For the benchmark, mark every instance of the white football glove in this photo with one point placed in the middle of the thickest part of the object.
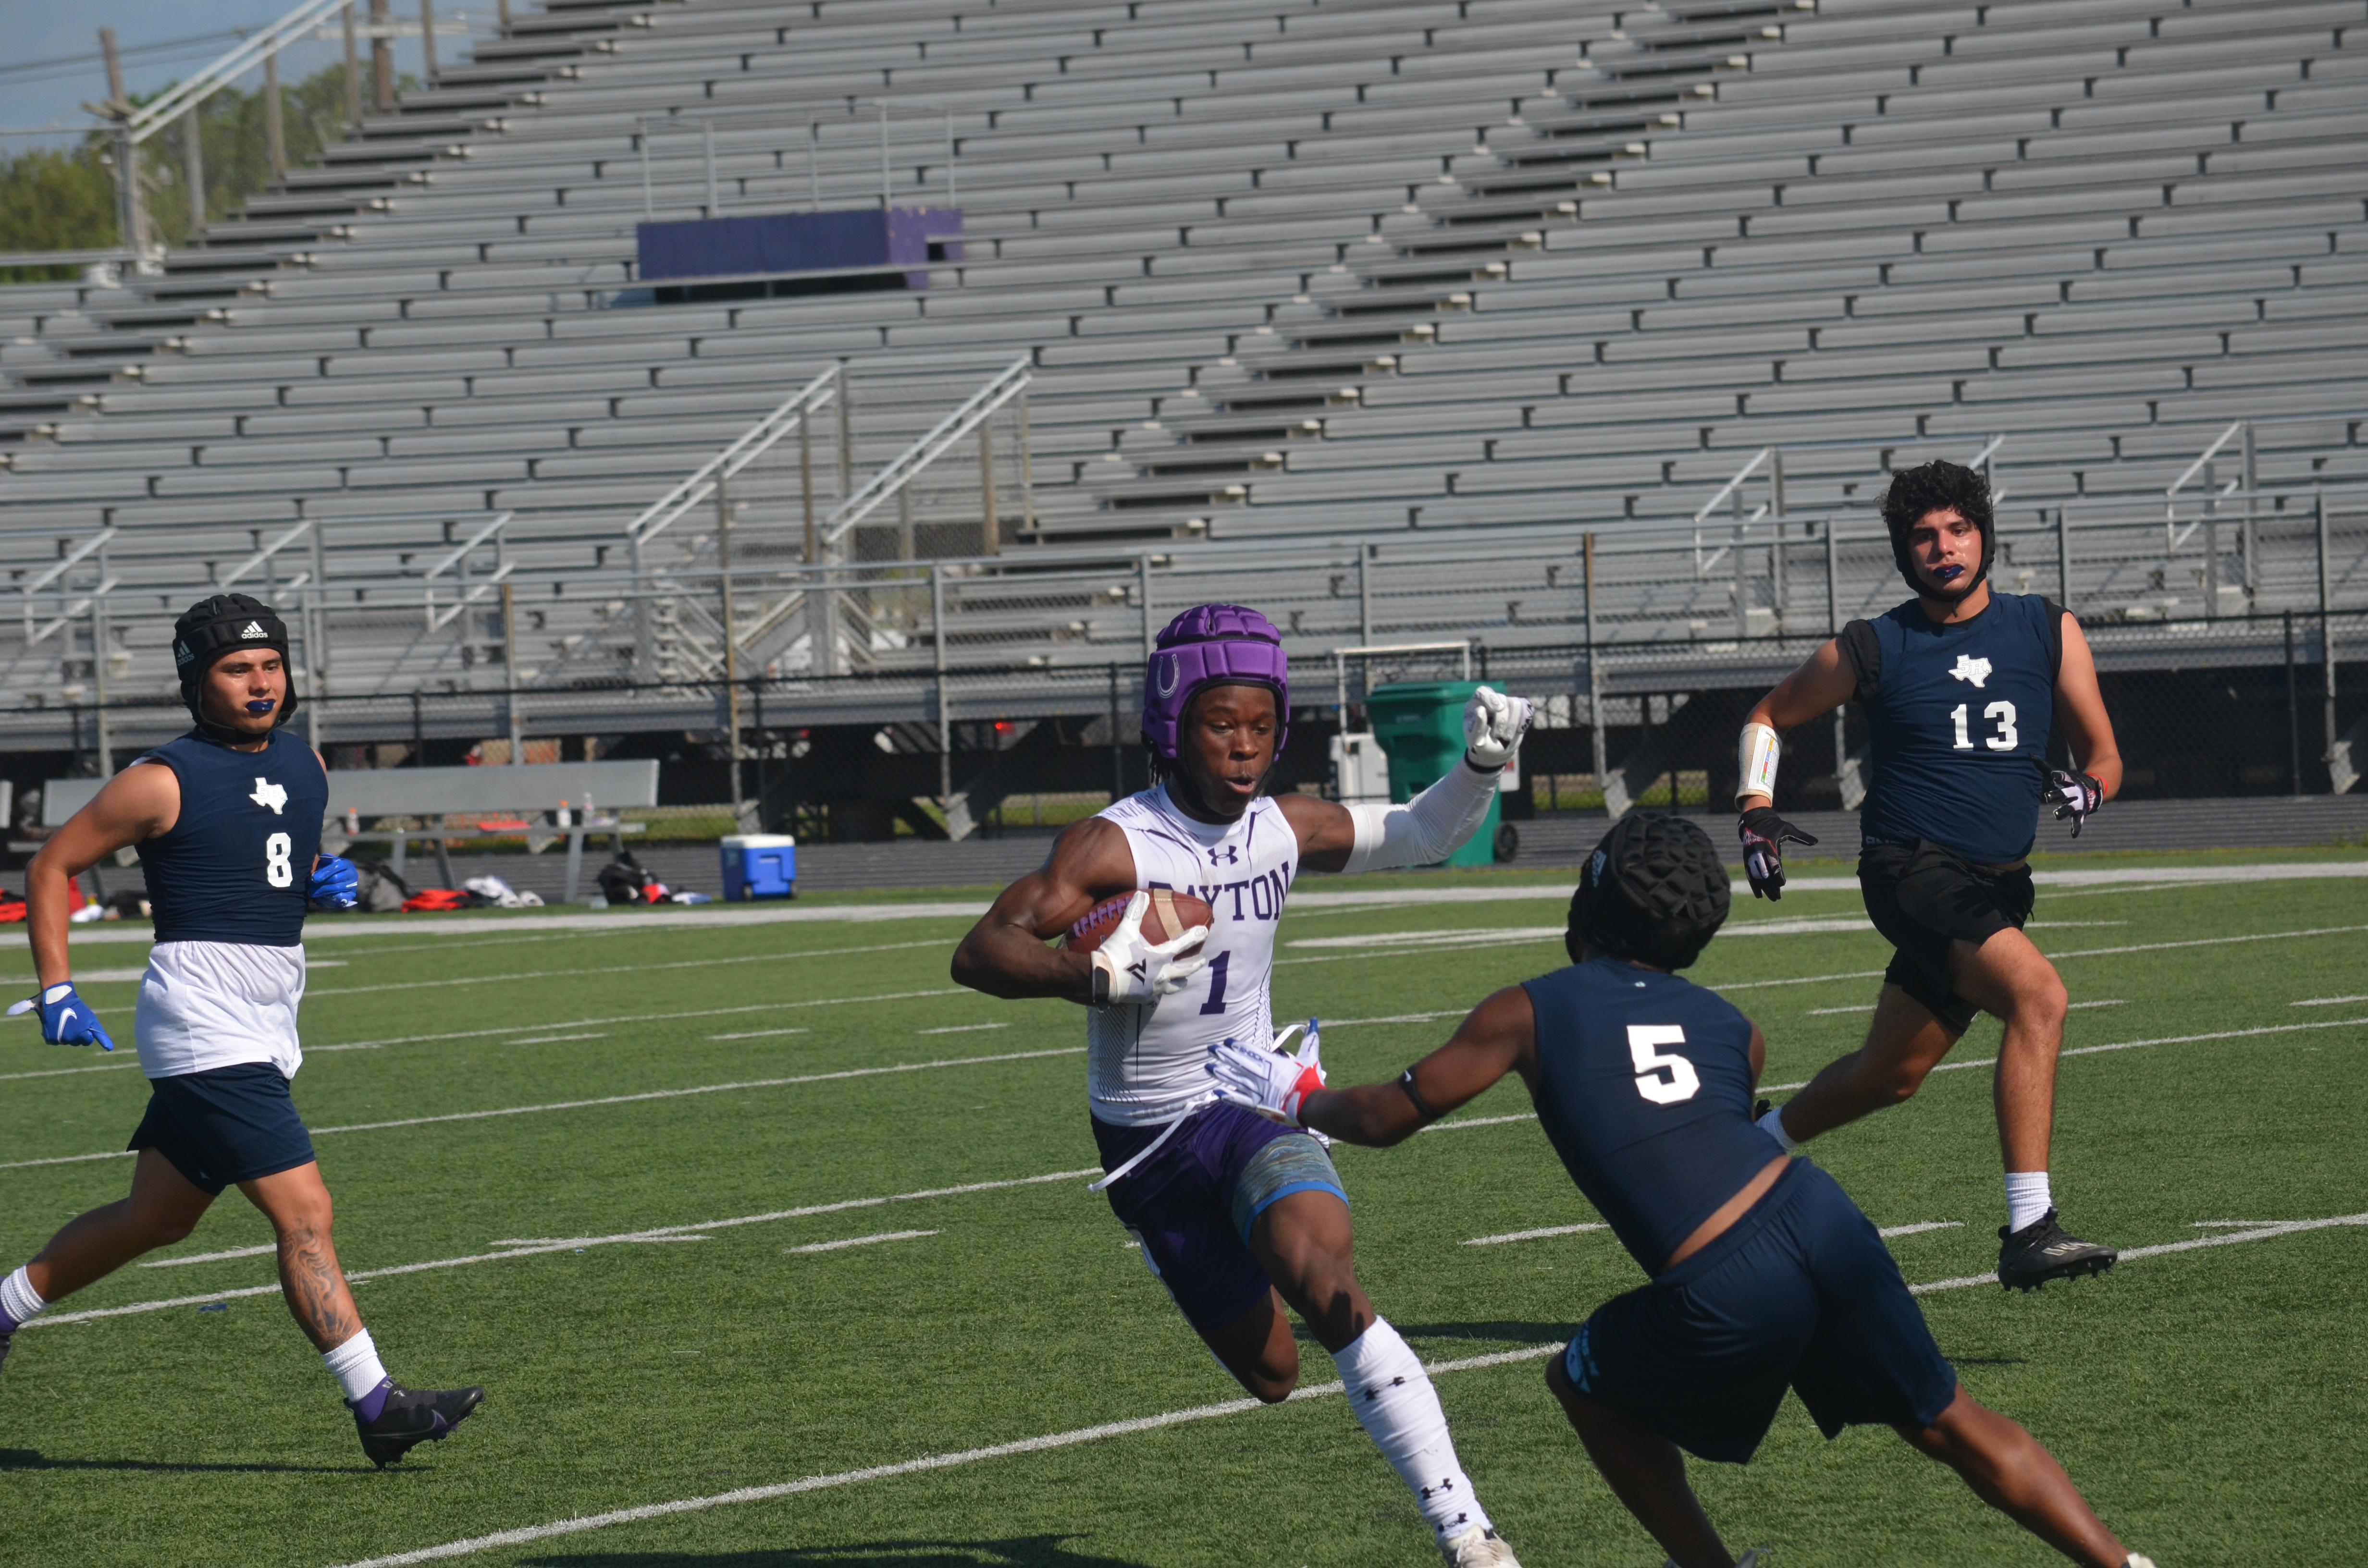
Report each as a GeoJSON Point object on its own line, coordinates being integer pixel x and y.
{"type": "Point", "coordinates": [1494, 724]}
{"type": "Point", "coordinates": [1130, 971]}
{"type": "Point", "coordinates": [1274, 1083]}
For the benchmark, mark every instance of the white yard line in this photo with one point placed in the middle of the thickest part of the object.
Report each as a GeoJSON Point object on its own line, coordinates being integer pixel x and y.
{"type": "Point", "coordinates": [578, 972]}
{"type": "Point", "coordinates": [1917, 1230]}
{"type": "Point", "coordinates": [864, 1241]}
{"type": "Point", "coordinates": [2257, 1234]}
{"type": "Point", "coordinates": [962, 1029]}
{"type": "Point", "coordinates": [527, 1247]}
{"type": "Point", "coordinates": [553, 1039]}
{"type": "Point", "coordinates": [908, 1467]}
{"type": "Point", "coordinates": [1470, 1121]}
{"type": "Point", "coordinates": [612, 1099]}
{"type": "Point", "coordinates": [68, 1071]}
{"type": "Point", "coordinates": [1533, 1235]}
{"type": "Point", "coordinates": [2124, 879]}
{"type": "Point", "coordinates": [582, 1523]}
{"type": "Point", "coordinates": [2329, 1002]}
{"type": "Point", "coordinates": [757, 1034]}
{"type": "Point", "coordinates": [641, 1018]}
{"type": "Point", "coordinates": [211, 1256]}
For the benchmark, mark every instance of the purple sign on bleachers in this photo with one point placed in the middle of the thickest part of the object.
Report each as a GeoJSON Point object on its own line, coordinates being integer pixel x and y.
{"type": "Point", "coordinates": [781, 245]}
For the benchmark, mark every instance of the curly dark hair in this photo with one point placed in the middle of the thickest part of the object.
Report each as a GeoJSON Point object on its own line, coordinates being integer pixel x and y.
{"type": "Point", "coordinates": [1937, 486]}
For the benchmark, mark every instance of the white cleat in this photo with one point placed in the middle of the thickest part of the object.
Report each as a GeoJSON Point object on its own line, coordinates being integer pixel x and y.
{"type": "Point", "coordinates": [2135, 1559]}
{"type": "Point", "coordinates": [1478, 1547]}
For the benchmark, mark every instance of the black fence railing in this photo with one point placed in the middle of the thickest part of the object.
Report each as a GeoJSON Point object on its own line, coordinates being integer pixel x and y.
{"type": "Point", "coordinates": [2256, 704]}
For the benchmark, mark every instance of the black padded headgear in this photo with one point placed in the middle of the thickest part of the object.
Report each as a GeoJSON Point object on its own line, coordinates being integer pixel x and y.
{"type": "Point", "coordinates": [1938, 486]}
{"type": "Point", "coordinates": [219, 626]}
{"type": "Point", "coordinates": [1655, 890]}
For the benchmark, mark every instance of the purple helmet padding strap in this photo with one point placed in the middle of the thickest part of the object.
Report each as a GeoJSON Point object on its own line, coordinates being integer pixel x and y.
{"type": "Point", "coordinates": [1211, 645]}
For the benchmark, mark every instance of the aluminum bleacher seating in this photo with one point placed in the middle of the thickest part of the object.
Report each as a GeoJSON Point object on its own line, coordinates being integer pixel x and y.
{"type": "Point", "coordinates": [1284, 270]}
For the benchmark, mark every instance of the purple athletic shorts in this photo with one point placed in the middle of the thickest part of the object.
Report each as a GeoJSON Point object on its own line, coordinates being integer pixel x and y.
{"type": "Point", "coordinates": [1193, 1203]}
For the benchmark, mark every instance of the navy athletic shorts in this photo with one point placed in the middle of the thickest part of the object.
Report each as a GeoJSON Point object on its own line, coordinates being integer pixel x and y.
{"type": "Point", "coordinates": [1923, 897]}
{"type": "Point", "coordinates": [1799, 1293]}
{"type": "Point", "coordinates": [225, 1126]}
{"type": "Point", "coordinates": [1193, 1203]}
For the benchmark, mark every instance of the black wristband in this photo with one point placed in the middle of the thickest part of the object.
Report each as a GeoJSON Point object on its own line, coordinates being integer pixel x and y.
{"type": "Point", "coordinates": [1100, 986]}
{"type": "Point", "coordinates": [1421, 1106]}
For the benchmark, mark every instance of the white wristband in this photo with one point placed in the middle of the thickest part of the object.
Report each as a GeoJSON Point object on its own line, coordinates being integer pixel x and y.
{"type": "Point", "coordinates": [1756, 760]}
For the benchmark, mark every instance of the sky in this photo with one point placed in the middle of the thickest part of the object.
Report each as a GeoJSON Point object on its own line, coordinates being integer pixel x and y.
{"type": "Point", "coordinates": [36, 33]}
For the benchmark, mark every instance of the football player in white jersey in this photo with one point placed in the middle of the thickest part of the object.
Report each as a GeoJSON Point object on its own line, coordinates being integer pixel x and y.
{"type": "Point", "coordinates": [227, 821]}
{"type": "Point", "coordinates": [1240, 1217]}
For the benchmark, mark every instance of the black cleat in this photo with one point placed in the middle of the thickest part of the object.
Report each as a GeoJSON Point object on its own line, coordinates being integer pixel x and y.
{"type": "Point", "coordinates": [412, 1418]}
{"type": "Point", "coordinates": [2044, 1250]}
{"type": "Point", "coordinates": [1760, 1110]}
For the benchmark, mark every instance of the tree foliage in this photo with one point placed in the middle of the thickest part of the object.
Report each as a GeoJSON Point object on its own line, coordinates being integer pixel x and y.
{"type": "Point", "coordinates": [65, 199]}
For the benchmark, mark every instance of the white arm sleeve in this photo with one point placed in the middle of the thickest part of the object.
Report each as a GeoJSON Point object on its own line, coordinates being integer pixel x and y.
{"type": "Point", "coordinates": [1427, 829]}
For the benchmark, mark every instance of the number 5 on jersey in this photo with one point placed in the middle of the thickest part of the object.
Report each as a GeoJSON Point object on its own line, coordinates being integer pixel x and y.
{"type": "Point", "coordinates": [275, 867]}
{"type": "Point", "coordinates": [1682, 1081]}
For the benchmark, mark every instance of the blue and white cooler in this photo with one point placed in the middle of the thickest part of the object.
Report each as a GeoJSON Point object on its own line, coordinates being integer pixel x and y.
{"type": "Point", "coordinates": [759, 865]}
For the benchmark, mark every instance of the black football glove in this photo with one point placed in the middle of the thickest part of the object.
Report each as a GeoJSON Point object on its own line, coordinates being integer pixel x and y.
{"type": "Point", "coordinates": [1764, 836]}
{"type": "Point", "coordinates": [2073, 795]}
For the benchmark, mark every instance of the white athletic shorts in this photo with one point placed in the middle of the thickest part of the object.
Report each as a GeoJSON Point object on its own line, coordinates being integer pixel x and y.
{"type": "Point", "coordinates": [208, 1004]}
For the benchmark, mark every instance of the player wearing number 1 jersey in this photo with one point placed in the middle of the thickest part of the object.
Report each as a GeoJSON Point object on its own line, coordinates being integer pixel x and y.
{"type": "Point", "coordinates": [227, 821]}
{"type": "Point", "coordinates": [1236, 1215]}
{"type": "Point", "coordinates": [1964, 688]}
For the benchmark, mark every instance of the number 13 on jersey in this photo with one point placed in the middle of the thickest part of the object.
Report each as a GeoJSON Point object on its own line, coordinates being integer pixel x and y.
{"type": "Point", "coordinates": [2003, 713]}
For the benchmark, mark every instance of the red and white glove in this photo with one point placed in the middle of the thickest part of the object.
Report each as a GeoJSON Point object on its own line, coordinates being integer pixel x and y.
{"type": "Point", "coordinates": [2074, 795]}
{"type": "Point", "coordinates": [1273, 1081]}
{"type": "Point", "coordinates": [1132, 972]}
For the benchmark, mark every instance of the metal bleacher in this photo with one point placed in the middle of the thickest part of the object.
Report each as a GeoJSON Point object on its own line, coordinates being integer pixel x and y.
{"type": "Point", "coordinates": [1411, 283]}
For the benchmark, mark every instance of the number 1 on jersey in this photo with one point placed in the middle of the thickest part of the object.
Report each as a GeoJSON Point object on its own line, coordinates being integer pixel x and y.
{"type": "Point", "coordinates": [1682, 1082]}
{"type": "Point", "coordinates": [1217, 1002]}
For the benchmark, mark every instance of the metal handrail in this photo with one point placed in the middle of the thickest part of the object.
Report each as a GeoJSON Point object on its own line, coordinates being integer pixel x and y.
{"type": "Point", "coordinates": [754, 443]}
{"type": "Point", "coordinates": [151, 118]}
{"type": "Point", "coordinates": [906, 465]}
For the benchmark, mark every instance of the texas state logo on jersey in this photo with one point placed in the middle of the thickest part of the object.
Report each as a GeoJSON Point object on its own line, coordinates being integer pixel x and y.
{"type": "Point", "coordinates": [1958, 728]}
{"type": "Point", "coordinates": [1149, 1064]}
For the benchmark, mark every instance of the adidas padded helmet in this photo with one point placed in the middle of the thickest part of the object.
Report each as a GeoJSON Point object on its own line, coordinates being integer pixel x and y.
{"type": "Point", "coordinates": [222, 625]}
{"type": "Point", "coordinates": [1655, 890]}
{"type": "Point", "coordinates": [1211, 645]}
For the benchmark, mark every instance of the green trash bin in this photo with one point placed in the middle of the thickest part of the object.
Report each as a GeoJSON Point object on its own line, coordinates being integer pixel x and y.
{"type": "Point", "coordinates": [1421, 726]}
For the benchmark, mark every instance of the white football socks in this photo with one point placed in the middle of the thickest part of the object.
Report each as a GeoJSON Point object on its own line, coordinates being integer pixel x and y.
{"type": "Point", "coordinates": [2026, 1198]}
{"type": "Point", "coordinates": [356, 1366]}
{"type": "Point", "coordinates": [1773, 1124]}
{"type": "Point", "coordinates": [19, 1303]}
{"type": "Point", "coordinates": [1399, 1410]}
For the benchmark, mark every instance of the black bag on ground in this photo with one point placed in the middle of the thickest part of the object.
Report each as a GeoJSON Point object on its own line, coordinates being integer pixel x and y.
{"type": "Point", "coordinates": [378, 889]}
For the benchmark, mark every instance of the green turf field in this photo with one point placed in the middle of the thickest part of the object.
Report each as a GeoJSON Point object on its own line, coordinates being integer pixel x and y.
{"type": "Point", "coordinates": [639, 1351]}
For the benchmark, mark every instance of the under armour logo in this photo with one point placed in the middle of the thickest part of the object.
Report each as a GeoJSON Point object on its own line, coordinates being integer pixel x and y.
{"type": "Point", "coordinates": [1225, 855]}
{"type": "Point", "coordinates": [269, 794]}
{"type": "Point", "coordinates": [253, 631]}
{"type": "Point", "coordinates": [1971, 669]}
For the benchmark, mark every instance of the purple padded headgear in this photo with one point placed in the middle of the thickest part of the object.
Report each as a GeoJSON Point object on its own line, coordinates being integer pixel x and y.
{"type": "Point", "coordinates": [1212, 645]}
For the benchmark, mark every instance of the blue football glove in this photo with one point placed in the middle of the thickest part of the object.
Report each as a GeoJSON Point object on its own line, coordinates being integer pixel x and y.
{"type": "Point", "coordinates": [336, 883]}
{"type": "Point", "coordinates": [66, 1019]}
